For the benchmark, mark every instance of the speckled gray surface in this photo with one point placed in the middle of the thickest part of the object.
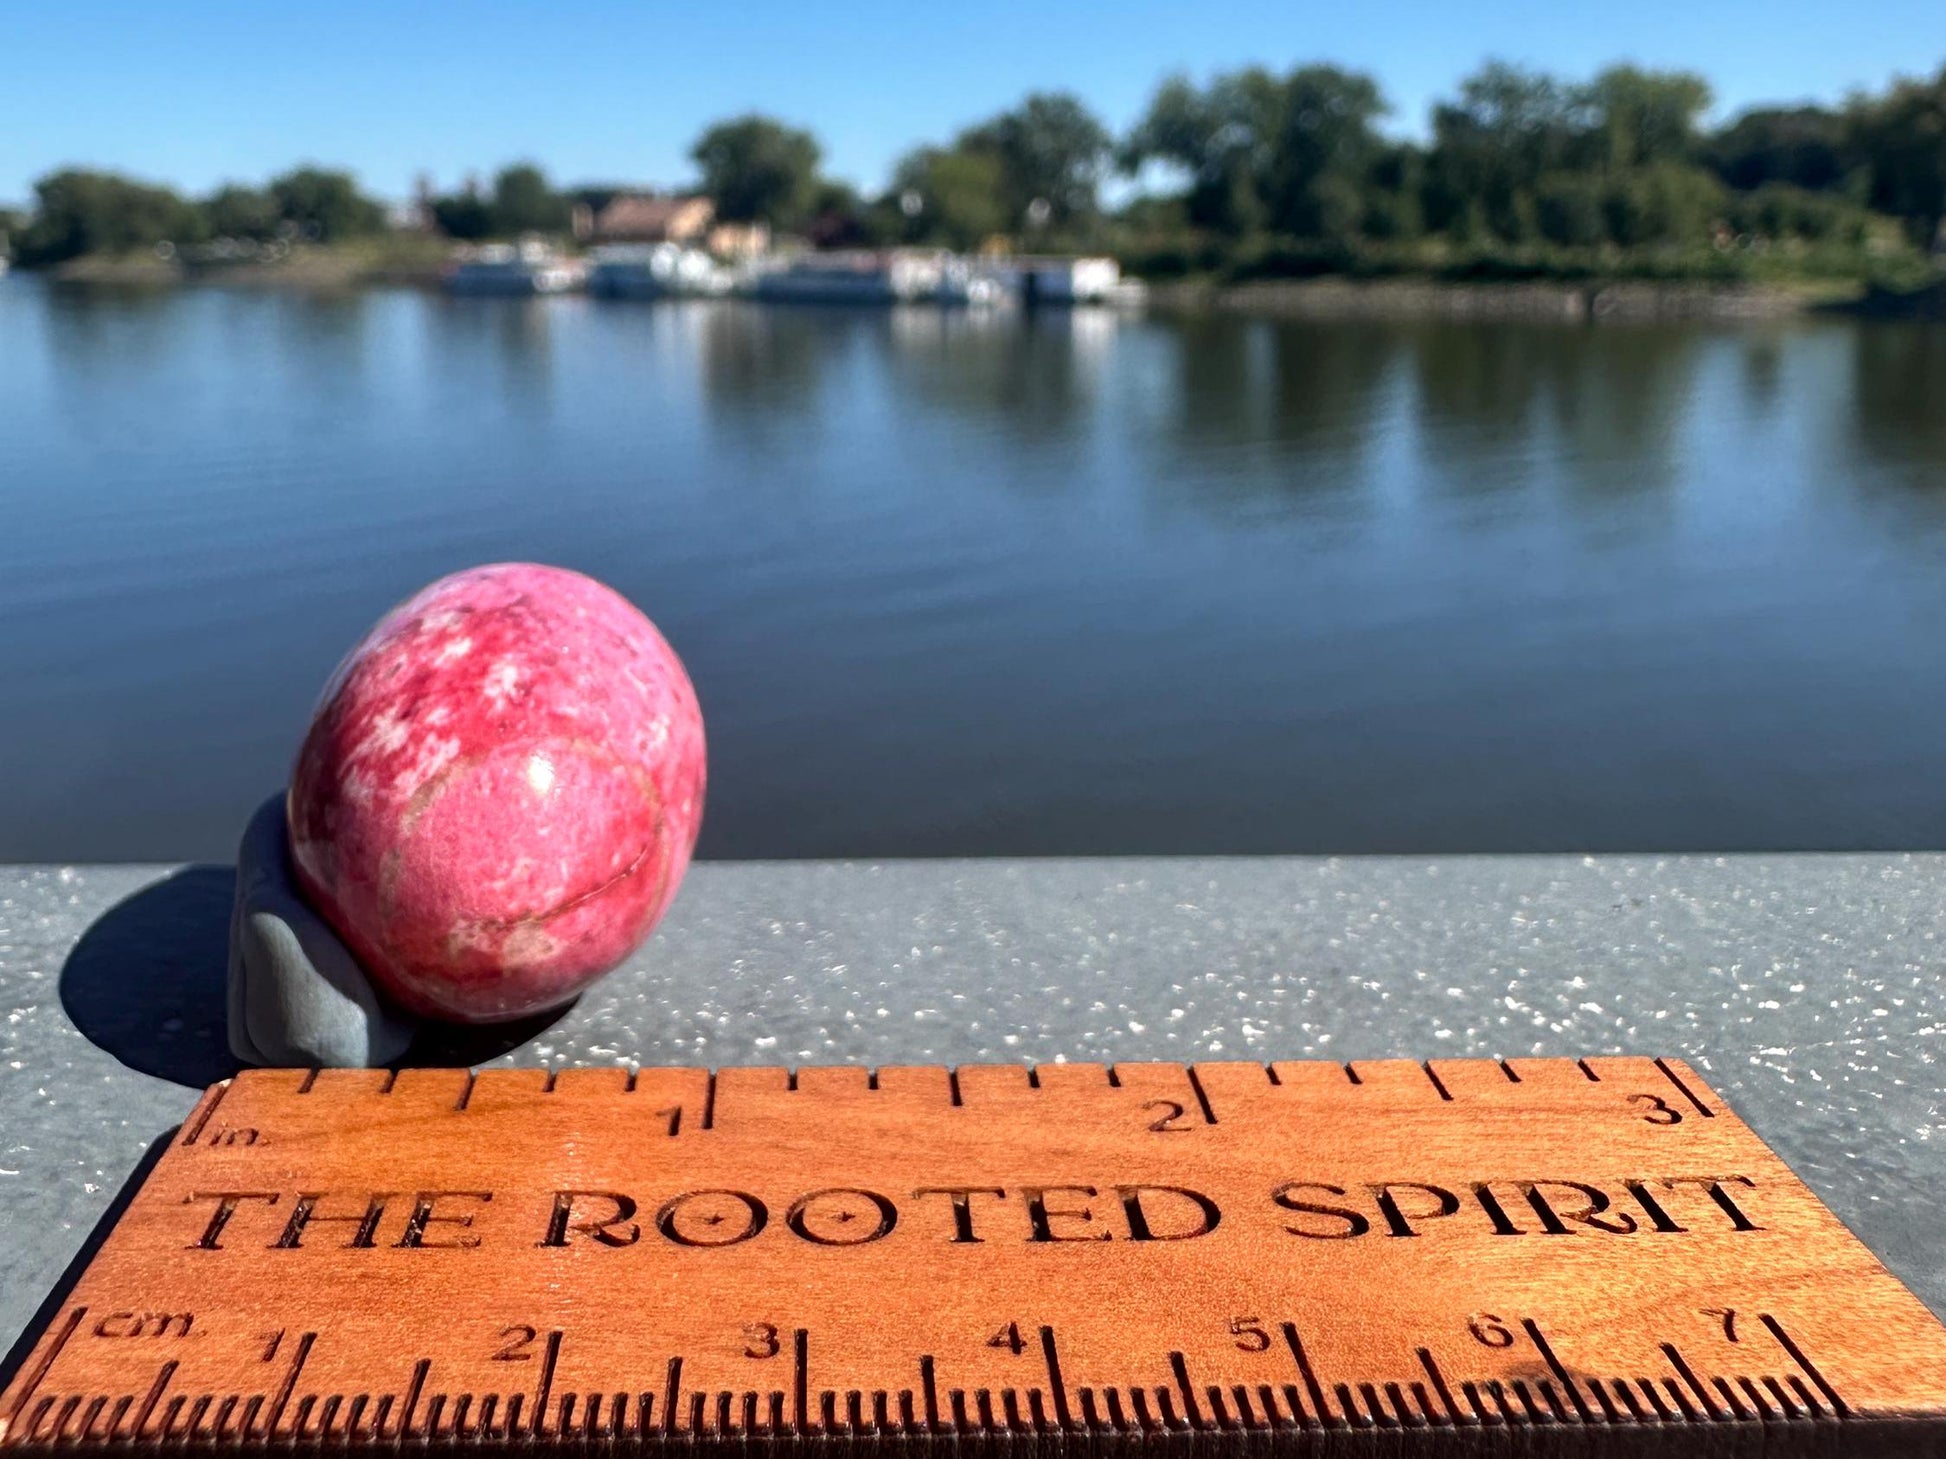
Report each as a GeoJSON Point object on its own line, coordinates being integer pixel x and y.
{"type": "Point", "coordinates": [1808, 988]}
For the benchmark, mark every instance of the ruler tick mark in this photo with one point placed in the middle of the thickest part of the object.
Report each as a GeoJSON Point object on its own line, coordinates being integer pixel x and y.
{"type": "Point", "coordinates": [1688, 1376]}
{"type": "Point", "coordinates": [1555, 1367]}
{"type": "Point", "coordinates": [1056, 1387]}
{"type": "Point", "coordinates": [1683, 1089]}
{"type": "Point", "coordinates": [1784, 1340]}
{"type": "Point", "coordinates": [289, 1384]}
{"type": "Point", "coordinates": [1202, 1099]}
{"type": "Point", "coordinates": [671, 1386]}
{"type": "Point", "coordinates": [550, 1357]}
{"type": "Point", "coordinates": [1439, 1386]}
{"type": "Point", "coordinates": [38, 1372]}
{"type": "Point", "coordinates": [1437, 1083]}
{"type": "Point", "coordinates": [1192, 1411]}
{"type": "Point", "coordinates": [801, 1379]}
{"type": "Point", "coordinates": [1318, 1405]}
{"type": "Point", "coordinates": [206, 1107]}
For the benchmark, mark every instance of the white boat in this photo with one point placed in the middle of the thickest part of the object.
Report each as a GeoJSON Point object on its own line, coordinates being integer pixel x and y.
{"type": "Point", "coordinates": [516, 269]}
{"type": "Point", "coordinates": [653, 271]}
{"type": "Point", "coordinates": [1063, 281]}
{"type": "Point", "coordinates": [896, 276]}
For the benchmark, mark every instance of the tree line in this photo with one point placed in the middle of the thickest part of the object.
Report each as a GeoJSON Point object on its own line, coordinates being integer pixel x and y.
{"type": "Point", "coordinates": [1286, 168]}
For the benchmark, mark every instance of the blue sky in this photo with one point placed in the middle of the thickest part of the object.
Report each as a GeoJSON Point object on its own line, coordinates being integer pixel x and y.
{"type": "Point", "coordinates": [195, 94]}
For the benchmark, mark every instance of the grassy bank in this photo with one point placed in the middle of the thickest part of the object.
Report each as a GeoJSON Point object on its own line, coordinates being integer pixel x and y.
{"type": "Point", "coordinates": [1282, 280]}
{"type": "Point", "coordinates": [390, 258]}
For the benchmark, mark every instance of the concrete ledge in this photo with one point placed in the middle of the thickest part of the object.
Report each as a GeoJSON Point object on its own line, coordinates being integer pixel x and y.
{"type": "Point", "coordinates": [1807, 987]}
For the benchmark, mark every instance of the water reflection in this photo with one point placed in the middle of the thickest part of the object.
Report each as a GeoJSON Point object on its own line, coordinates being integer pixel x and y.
{"type": "Point", "coordinates": [1899, 386]}
{"type": "Point", "coordinates": [502, 348]}
{"type": "Point", "coordinates": [961, 582]}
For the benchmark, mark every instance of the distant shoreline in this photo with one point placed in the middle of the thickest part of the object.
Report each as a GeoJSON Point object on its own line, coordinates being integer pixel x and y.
{"type": "Point", "coordinates": [1327, 298]}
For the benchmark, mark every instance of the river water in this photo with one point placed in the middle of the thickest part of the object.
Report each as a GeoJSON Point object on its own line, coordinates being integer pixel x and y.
{"type": "Point", "coordinates": [961, 584]}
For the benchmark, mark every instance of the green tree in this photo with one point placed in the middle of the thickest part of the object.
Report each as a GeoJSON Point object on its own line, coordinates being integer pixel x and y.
{"type": "Point", "coordinates": [79, 211]}
{"type": "Point", "coordinates": [1051, 151]}
{"type": "Point", "coordinates": [1291, 152]}
{"type": "Point", "coordinates": [1569, 209]}
{"type": "Point", "coordinates": [1782, 210]}
{"type": "Point", "coordinates": [1323, 152]}
{"type": "Point", "coordinates": [1901, 138]}
{"type": "Point", "coordinates": [1507, 129]}
{"type": "Point", "coordinates": [1641, 118]}
{"type": "Point", "coordinates": [1222, 136]}
{"type": "Point", "coordinates": [464, 215]}
{"type": "Point", "coordinates": [325, 205]}
{"type": "Point", "coordinates": [236, 211]}
{"type": "Point", "coordinates": [1804, 146]}
{"type": "Point", "coordinates": [525, 202]}
{"type": "Point", "coordinates": [756, 168]}
{"type": "Point", "coordinates": [1394, 195]}
{"type": "Point", "coordinates": [1663, 204]}
{"type": "Point", "coordinates": [839, 218]}
{"type": "Point", "coordinates": [950, 196]}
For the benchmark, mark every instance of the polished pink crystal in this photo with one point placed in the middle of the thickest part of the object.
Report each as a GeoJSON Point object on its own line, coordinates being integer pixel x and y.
{"type": "Point", "coordinates": [500, 791]}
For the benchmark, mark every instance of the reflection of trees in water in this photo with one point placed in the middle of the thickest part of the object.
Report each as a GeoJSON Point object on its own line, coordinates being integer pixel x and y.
{"type": "Point", "coordinates": [103, 338]}
{"type": "Point", "coordinates": [1034, 376]}
{"type": "Point", "coordinates": [501, 348]}
{"type": "Point", "coordinates": [1267, 415]}
{"type": "Point", "coordinates": [1031, 377]}
{"type": "Point", "coordinates": [1610, 398]}
{"type": "Point", "coordinates": [1761, 362]}
{"type": "Point", "coordinates": [763, 364]}
{"type": "Point", "coordinates": [1619, 405]}
{"type": "Point", "coordinates": [1899, 394]}
{"type": "Point", "coordinates": [201, 352]}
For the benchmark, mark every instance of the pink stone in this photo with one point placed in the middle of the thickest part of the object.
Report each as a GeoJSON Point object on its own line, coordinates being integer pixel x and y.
{"type": "Point", "coordinates": [500, 791]}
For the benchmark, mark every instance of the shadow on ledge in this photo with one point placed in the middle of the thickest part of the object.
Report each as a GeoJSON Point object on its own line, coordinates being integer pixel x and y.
{"type": "Point", "coordinates": [146, 980]}
{"type": "Point", "coordinates": [147, 983]}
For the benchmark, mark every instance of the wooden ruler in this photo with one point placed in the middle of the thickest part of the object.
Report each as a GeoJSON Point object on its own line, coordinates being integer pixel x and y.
{"type": "Point", "coordinates": [1532, 1257]}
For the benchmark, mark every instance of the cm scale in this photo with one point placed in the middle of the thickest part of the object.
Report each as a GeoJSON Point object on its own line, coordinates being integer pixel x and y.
{"type": "Point", "coordinates": [1531, 1257]}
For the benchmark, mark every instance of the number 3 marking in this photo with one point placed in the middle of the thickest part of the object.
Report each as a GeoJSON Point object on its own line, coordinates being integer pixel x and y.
{"type": "Point", "coordinates": [1656, 1112]}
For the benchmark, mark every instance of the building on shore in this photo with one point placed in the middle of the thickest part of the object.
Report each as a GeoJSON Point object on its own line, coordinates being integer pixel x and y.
{"type": "Point", "coordinates": [635, 217]}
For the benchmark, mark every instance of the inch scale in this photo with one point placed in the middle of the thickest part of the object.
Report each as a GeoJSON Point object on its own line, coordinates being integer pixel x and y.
{"type": "Point", "coordinates": [1531, 1257]}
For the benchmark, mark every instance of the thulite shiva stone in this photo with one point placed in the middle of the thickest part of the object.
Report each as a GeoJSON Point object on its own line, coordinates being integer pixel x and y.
{"type": "Point", "coordinates": [500, 791]}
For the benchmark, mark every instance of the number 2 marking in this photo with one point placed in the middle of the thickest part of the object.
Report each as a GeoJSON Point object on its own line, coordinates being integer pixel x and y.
{"type": "Point", "coordinates": [515, 1341]}
{"type": "Point", "coordinates": [1166, 1125]}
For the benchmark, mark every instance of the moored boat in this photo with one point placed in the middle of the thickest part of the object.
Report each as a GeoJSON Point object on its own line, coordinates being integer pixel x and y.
{"type": "Point", "coordinates": [515, 269]}
{"type": "Point", "coordinates": [894, 276]}
{"type": "Point", "coordinates": [654, 270]}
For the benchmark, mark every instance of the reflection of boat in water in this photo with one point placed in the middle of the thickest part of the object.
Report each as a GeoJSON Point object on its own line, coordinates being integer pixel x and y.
{"type": "Point", "coordinates": [516, 269]}
{"type": "Point", "coordinates": [897, 276]}
{"type": "Point", "coordinates": [653, 271]}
